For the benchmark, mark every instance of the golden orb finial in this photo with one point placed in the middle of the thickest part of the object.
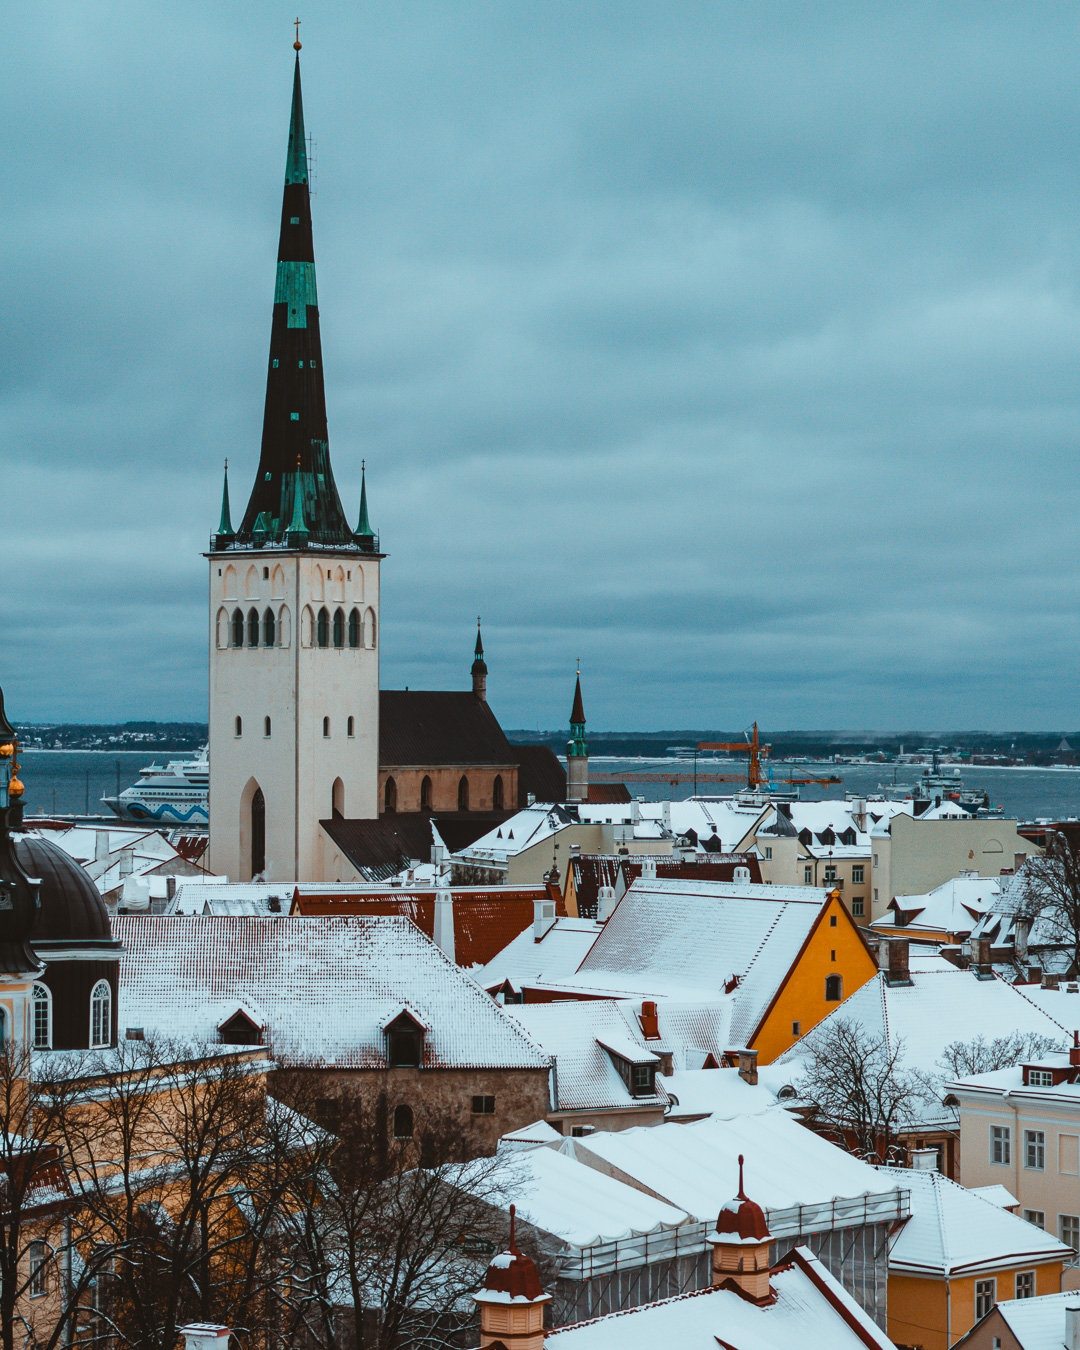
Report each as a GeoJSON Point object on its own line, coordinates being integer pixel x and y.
{"type": "Point", "coordinates": [296, 44]}
{"type": "Point", "coordinates": [15, 788]}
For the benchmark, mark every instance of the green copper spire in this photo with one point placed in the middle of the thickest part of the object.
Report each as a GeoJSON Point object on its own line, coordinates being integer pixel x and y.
{"type": "Point", "coordinates": [297, 532]}
{"type": "Point", "coordinates": [225, 527]}
{"type": "Point", "coordinates": [365, 535]}
{"type": "Point", "coordinates": [577, 748]}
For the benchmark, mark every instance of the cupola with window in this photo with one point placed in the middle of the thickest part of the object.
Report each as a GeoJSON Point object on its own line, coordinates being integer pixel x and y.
{"type": "Point", "coordinates": [741, 1243]}
{"type": "Point", "coordinates": [512, 1300]}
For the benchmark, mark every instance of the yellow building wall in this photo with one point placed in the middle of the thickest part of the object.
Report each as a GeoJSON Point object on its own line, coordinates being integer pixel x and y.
{"type": "Point", "coordinates": [920, 1313]}
{"type": "Point", "coordinates": [802, 997]}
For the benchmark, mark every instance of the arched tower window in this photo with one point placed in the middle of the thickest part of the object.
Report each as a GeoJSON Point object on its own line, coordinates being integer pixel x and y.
{"type": "Point", "coordinates": [253, 627]}
{"type": "Point", "coordinates": [222, 627]}
{"type": "Point", "coordinates": [322, 628]}
{"type": "Point", "coordinates": [497, 793]}
{"type": "Point", "coordinates": [403, 1122]}
{"type": "Point", "coordinates": [834, 988]}
{"type": "Point", "coordinates": [239, 726]}
{"type": "Point", "coordinates": [369, 627]}
{"type": "Point", "coordinates": [307, 627]}
{"type": "Point", "coordinates": [258, 833]}
{"type": "Point", "coordinates": [350, 726]}
{"type": "Point", "coordinates": [269, 628]}
{"type": "Point", "coordinates": [390, 797]}
{"type": "Point", "coordinates": [339, 628]}
{"type": "Point", "coordinates": [425, 793]}
{"type": "Point", "coordinates": [284, 627]}
{"type": "Point", "coordinates": [463, 794]}
{"type": "Point", "coordinates": [266, 727]}
{"type": "Point", "coordinates": [337, 798]}
{"type": "Point", "coordinates": [41, 1013]}
{"type": "Point", "coordinates": [100, 1014]}
{"type": "Point", "coordinates": [237, 627]}
{"type": "Point", "coordinates": [355, 636]}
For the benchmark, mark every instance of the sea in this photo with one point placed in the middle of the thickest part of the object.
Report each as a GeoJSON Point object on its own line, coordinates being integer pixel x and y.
{"type": "Point", "coordinates": [72, 782]}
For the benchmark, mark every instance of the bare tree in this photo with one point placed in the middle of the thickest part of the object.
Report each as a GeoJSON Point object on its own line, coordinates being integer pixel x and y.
{"type": "Point", "coordinates": [861, 1094]}
{"type": "Point", "coordinates": [1048, 888]}
{"type": "Point", "coordinates": [962, 1058]}
{"type": "Point", "coordinates": [392, 1250]}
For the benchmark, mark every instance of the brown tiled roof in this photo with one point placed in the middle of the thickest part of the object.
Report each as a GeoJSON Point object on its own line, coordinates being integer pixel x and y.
{"type": "Point", "coordinates": [602, 793]}
{"type": "Point", "coordinates": [485, 921]}
{"type": "Point", "coordinates": [428, 727]}
{"type": "Point", "coordinates": [541, 773]}
{"type": "Point", "coordinates": [379, 848]}
{"type": "Point", "coordinates": [593, 870]}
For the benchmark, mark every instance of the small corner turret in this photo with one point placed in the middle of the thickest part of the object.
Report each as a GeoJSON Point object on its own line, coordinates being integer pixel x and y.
{"type": "Point", "coordinates": [479, 667]}
{"type": "Point", "coordinates": [740, 1243]}
{"type": "Point", "coordinates": [512, 1300]}
{"type": "Point", "coordinates": [577, 752]}
{"type": "Point", "coordinates": [365, 536]}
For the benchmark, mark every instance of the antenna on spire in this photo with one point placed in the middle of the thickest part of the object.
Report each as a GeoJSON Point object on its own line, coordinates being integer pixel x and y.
{"type": "Point", "coordinates": [297, 44]}
{"type": "Point", "coordinates": [513, 1244]}
{"type": "Point", "coordinates": [741, 1195]}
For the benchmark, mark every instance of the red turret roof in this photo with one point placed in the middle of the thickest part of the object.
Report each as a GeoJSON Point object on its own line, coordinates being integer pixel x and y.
{"type": "Point", "coordinates": [511, 1275]}
{"type": "Point", "coordinates": [742, 1220]}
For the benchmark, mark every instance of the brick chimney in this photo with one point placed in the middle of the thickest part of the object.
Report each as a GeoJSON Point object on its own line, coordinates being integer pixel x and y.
{"type": "Point", "coordinates": [1074, 1051]}
{"type": "Point", "coordinates": [740, 1248]}
{"type": "Point", "coordinates": [748, 1066]}
{"type": "Point", "coordinates": [980, 959]}
{"type": "Point", "coordinates": [205, 1336]}
{"type": "Point", "coordinates": [896, 961]}
{"type": "Point", "coordinates": [1050, 980]}
{"type": "Point", "coordinates": [1072, 1325]}
{"type": "Point", "coordinates": [512, 1301]}
{"type": "Point", "coordinates": [650, 1021]}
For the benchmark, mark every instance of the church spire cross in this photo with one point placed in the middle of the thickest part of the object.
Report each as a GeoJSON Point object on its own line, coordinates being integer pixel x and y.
{"type": "Point", "coordinates": [295, 445]}
{"type": "Point", "coordinates": [225, 529]}
{"type": "Point", "coordinates": [297, 43]}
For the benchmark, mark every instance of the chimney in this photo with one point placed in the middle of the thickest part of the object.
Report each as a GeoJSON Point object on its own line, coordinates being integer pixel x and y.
{"type": "Point", "coordinates": [127, 862]}
{"type": "Point", "coordinates": [896, 964]}
{"type": "Point", "coordinates": [980, 958]}
{"type": "Point", "coordinates": [740, 1248]}
{"type": "Point", "coordinates": [605, 903]}
{"type": "Point", "coordinates": [101, 845]}
{"type": "Point", "coordinates": [924, 1160]}
{"type": "Point", "coordinates": [858, 813]}
{"type": "Point", "coordinates": [650, 1021]}
{"type": "Point", "coordinates": [543, 915]}
{"type": "Point", "coordinates": [205, 1336]}
{"type": "Point", "coordinates": [512, 1301]}
{"type": "Point", "coordinates": [170, 888]}
{"type": "Point", "coordinates": [1018, 861]}
{"type": "Point", "coordinates": [1074, 1051]}
{"type": "Point", "coordinates": [1021, 933]}
{"type": "Point", "coordinates": [1072, 1326]}
{"type": "Point", "coordinates": [748, 1066]}
{"type": "Point", "coordinates": [665, 815]}
{"type": "Point", "coordinates": [1050, 980]}
{"type": "Point", "coordinates": [742, 875]}
{"type": "Point", "coordinates": [648, 867]}
{"type": "Point", "coordinates": [442, 932]}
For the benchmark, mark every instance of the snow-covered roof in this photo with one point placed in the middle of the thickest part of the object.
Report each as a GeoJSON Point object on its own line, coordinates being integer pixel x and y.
{"type": "Point", "coordinates": [1038, 1323]}
{"type": "Point", "coordinates": [577, 1204]}
{"type": "Point", "coordinates": [721, 1093]}
{"type": "Point", "coordinates": [1062, 1004]}
{"type": "Point", "coordinates": [235, 898]}
{"type": "Point", "coordinates": [1011, 1081]}
{"type": "Point", "coordinates": [955, 1231]}
{"type": "Point", "coordinates": [579, 1037]}
{"type": "Point", "coordinates": [323, 985]}
{"type": "Point", "coordinates": [997, 1195]}
{"type": "Point", "coordinates": [530, 826]}
{"type": "Point", "coordinates": [788, 1169]}
{"type": "Point", "coordinates": [927, 1015]}
{"type": "Point", "coordinates": [812, 1310]}
{"type": "Point", "coordinates": [953, 907]}
{"type": "Point", "coordinates": [690, 937]}
{"type": "Point", "coordinates": [728, 818]}
{"type": "Point", "coordinates": [524, 960]}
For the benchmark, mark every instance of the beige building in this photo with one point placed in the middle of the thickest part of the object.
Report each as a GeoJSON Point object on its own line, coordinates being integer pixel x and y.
{"type": "Point", "coordinates": [1020, 1128]}
{"type": "Point", "coordinates": [912, 855]}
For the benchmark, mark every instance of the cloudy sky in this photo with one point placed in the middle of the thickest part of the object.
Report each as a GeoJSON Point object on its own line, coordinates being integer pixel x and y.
{"type": "Point", "coordinates": [732, 348]}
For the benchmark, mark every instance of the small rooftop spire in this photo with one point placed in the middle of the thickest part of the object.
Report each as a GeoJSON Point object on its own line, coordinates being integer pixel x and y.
{"type": "Point", "coordinates": [741, 1194]}
{"type": "Point", "coordinates": [225, 525]}
{"type": "Point", "coordinates": [577, 713]}
{"type": "Point", "coordinates": [478, 651]}
{"type": "Point", "coordinates": [513, 1216]}
{"type": "Point", "coordinates": [363, 527]}
{"type": "Point", "coordinates": [297, 44]}
{"type": "Point", "coordinates": [297, 531]}
{"type": "Point", "coordinates": [479, 666]}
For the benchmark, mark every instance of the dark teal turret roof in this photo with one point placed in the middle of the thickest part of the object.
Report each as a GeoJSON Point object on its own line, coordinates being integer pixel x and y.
{"type": "Point", "coordinates": [295, 458]}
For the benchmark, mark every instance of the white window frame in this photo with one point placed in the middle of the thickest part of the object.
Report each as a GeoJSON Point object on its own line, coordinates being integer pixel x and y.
{"type": "Point", "coordinates": [100, 1015]}
{"type": "Point", "coordinates": [768, 854]}
{"type": "Point", "coordinates": [1028, 1276]}
{"type": "Point", "coordinates": [1034, 1150]}
{"type": "Point", "coordinates": [37, 1284]}
{"type": "Point", "coordinates": [982, 1289]}
{"type": "Point", "coordinates": [1036, 1217]}
{"type": "Point", "coordinates": [1069, 1223]}
{"type": "Point", "coordinates": [858, 873]}
{"type": "Point", "coordinates": [1000, 1144]}
{"type": "Point", "coordinates": [41, 994]}
{"type": "Point", "coordinates": [1040, 1078]}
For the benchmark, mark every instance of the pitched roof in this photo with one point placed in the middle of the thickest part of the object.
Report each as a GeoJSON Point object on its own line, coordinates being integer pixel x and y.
{"type": "Point", "coordinates": [727, 817]}
{"type": "Point", "coordinates": [812, 1310]}
{"type": "Point", "coordinates": [693, 936]}
{"type": "Point", "coordinates": [954, 1231]}
{"type": "Point", "coordinates": [323, 987]}
{"type": "Point", "coordinates": [380, 848]}
{"type": "Point", "coordinates": [593, 870]}
{"type": "Point", "coordinates": [601, 794]}
{"type": "Point", "coordinates": [486, 919]}
{"type": "Point", "coordinates": [1038, 1323]}
{"type": "Point", "coordinates": [953, 907]}
{"type": "Point", "coordinates": [430, 727]}
{"type": "Point", "coordinates": [524, 960]}
{"type": "Point", "coordinates": [541, 774]}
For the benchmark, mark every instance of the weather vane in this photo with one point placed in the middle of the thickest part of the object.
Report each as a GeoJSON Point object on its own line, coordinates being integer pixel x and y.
{"type": "Point", "coordinates": [296, 44]}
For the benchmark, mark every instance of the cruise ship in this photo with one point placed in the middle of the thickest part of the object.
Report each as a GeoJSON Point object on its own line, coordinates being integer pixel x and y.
{"type": "Point", "coordinates": [176, 793]}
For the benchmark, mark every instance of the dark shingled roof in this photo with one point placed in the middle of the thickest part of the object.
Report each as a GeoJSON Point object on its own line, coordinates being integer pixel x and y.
{"type": "Point", "coordinates": [427, 727]}
{"type": "Point", "coordinates": [593, 870]}
{"type": "Point", "coordinates": [541, 772]}
{"type": "Point", "coordinates": [600, 794]}
{"type": "Point", "coordinates": [379, 848]}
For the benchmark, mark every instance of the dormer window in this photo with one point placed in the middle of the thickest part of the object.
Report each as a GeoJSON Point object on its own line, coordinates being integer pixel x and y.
{"type": "Point", "coordinates": [643, 1080]}
{"type": "Point", "coordinates": [1038, 1077]}
{"type": "Point", "coordinates": [404, 1042]}
{"type": "Point", "coordinates": [637, 1066]}
{"type": "Point", "coordinates": [240, 1029]}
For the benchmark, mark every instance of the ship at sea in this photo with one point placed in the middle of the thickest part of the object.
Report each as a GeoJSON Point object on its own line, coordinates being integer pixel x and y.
{"type": "Point", "coordinates": [174, 793]}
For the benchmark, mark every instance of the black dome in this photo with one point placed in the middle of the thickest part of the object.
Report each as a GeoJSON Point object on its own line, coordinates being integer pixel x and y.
{"type": "Point", "coordinates": [72, 909]}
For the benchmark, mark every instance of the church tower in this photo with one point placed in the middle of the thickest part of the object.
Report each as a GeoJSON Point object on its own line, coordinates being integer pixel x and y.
{"type": "Point", "coordinates": [294, 606]}
{"type": "Point", "coordinates": [577, 751]}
